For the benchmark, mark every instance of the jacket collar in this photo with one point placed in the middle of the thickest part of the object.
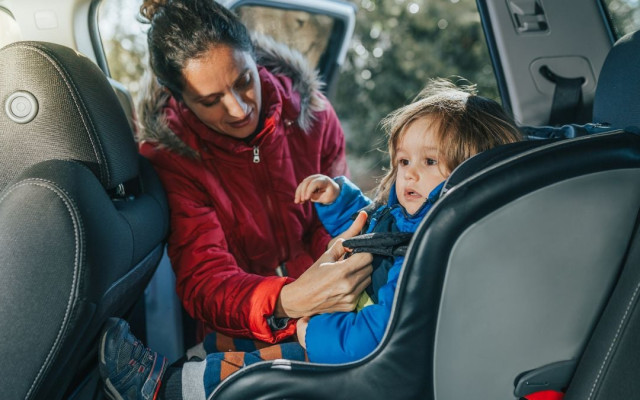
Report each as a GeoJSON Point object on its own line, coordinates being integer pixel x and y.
{"type": "Point", "coordinates": [422, 211]}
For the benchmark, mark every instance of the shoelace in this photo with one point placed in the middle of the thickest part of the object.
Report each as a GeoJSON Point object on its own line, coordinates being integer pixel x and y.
{"type": "Point", "coordinates": [140, 354]}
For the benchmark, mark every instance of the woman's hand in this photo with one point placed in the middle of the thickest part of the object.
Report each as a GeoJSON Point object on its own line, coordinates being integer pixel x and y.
{"type": "Point", "coordinates": [354, 229]}
{"type": "Point", "coordinates": [318, 188]}
{"type": "Point", "coordinates": [329, 285]}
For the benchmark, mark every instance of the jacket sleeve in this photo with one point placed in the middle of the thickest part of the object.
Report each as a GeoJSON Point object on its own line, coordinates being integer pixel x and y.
{"type": "Point", "coordinates": [348, 336]}
{"type": "Point", "coordinates": [211, 285]}
{"type": "Point", "coordinates": [337, 216]}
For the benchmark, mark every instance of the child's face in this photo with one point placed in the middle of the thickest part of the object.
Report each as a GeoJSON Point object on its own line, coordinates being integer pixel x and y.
{"type": "Point", "coordinates": [419, 171]}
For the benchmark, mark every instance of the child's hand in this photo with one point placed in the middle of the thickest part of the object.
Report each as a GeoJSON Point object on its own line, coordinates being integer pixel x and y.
{"type": "Point", "coordinates": [301, 331]}
{"type": "Point", "coordinates": [317, 188]}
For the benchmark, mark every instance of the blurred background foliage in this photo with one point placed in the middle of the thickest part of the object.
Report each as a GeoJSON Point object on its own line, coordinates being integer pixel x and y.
{"type": "Point", "coordinates": [398, 45]}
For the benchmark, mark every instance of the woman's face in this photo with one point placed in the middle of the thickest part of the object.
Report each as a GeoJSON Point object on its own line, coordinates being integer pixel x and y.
{"type": "Point", "coordinates": [222, 89]}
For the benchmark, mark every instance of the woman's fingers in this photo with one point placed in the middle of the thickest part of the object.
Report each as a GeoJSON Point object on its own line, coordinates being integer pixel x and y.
{"type": "Point", "coordinates": [356, 227]}
{"type": "Point", "coordinates": [328, 285]}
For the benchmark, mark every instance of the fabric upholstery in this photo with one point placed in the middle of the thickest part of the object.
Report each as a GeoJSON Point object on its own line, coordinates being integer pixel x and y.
{"type": "Point", "coordinates": [79, 116]}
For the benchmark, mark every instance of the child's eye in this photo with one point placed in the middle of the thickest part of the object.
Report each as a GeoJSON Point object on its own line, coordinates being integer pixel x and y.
{"type": "Point", "coordinates": [403, 161]}
{"type": "Point", "coordinates": [431, 161]}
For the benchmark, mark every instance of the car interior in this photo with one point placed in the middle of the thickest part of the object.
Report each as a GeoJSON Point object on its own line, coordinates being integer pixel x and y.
{"type": "Point", "coordinates": [523, 277]}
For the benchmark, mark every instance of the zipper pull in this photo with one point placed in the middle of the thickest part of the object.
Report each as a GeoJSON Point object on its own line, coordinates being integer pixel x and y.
{"type": "Point", "coordinates": [256, 154]}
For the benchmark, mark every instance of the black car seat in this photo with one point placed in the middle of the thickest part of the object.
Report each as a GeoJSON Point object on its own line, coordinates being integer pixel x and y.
{"type": "Point", "coordinates": [504, 281]}
{"type": "Point", "coordinates": [610, 366]}
{"type": "Point", "coordinates": [83, 219]}
{"type": "Point", "coordinates": [616, 101]}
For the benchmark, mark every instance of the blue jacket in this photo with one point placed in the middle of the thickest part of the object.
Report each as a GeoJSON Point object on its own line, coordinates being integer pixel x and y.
{"type": "Point", "coordinates": [348, 336]}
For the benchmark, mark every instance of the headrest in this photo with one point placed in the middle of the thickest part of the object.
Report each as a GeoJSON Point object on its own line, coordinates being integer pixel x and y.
{"type": "Point", "coordinates": [617, 100]}
{"type": "Point", "coordinates": [57, 104]}
{"type": "Point", "coordinates": [488, 158]}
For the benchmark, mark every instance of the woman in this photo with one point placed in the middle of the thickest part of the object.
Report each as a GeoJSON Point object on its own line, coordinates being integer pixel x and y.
{"type": "Point", "coordinates": [231, 131]}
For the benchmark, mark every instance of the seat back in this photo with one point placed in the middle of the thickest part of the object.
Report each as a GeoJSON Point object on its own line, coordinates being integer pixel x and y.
{"type": "Point", "coordinates": [609, 369]}
{"type": "Point", "coordinates": [616, 99]}
{"type": "Point", "coordinates": [83, 218]}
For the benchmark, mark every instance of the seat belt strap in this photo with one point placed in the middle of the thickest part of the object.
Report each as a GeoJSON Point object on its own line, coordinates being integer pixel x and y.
{"type": "Point", "coordinates": [567, 97]}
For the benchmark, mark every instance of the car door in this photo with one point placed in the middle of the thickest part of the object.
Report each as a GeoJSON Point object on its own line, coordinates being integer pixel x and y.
{"type": "Point", "coordinates": [533, 42]}
{"type": "Point", "coordinates": [320, 30]}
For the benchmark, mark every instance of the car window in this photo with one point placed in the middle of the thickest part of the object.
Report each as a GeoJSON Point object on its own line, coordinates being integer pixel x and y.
{"type": "Point", "coordinates": [624, 14]}
{"type": "Point", "coordinates": [305, 32]}
{"type": "Point", "coordinates": [397, 47]}
{"type": "Point", "coordinates": [9, 29]}
{"type": "Point", "coordinates": [124, 41]}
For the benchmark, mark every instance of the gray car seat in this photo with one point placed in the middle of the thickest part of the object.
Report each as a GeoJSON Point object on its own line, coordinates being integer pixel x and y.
{"type": "Point", "coordinates": [83, 219]}
{"type": "Point", "coordinates": [504, 281]}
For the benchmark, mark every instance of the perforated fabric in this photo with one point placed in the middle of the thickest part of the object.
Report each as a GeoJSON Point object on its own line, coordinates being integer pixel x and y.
{"type": "Point", "coordinates": [79, 116]}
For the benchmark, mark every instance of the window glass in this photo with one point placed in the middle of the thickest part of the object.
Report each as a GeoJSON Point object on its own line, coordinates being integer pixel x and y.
{"type": "Point", "coordinates": [625, 15]}
{"type": "Point", "coordinates": [397, 47]}
{"type": "Point", "coordinates": [9, 29]}
{"type": "Point", "coordinates": [305, 32]}
{"type": "Point", "coordinates": [124, 40]}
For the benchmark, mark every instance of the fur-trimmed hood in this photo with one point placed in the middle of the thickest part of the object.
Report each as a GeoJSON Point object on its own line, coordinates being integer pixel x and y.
{"type": "Point", "coordinates": [275, 57]}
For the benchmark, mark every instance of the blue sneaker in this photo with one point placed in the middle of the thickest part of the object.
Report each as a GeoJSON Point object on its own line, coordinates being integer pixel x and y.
{"type": "Point", "coordinates": [129, 370]}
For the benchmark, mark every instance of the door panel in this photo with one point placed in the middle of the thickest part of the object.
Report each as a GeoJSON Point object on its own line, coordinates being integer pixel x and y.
{"type": "Point", "coordinates": [572, 35]}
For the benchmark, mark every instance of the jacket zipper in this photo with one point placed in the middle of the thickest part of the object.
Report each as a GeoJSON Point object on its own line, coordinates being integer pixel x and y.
{"type": "Point", "coordinates": [275, 220]}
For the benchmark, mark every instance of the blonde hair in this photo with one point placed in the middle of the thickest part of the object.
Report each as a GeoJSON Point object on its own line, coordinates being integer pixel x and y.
{"type": "Point", "coordinates": [464, 124]}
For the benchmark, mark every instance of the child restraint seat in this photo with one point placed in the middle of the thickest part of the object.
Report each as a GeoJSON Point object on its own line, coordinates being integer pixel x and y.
{"type": "Point", "coordinates": [529, 260]}
{"type": "Point", "coordinates": [83, 219]}
{"type": "Point", "coordinates": [495, 284]}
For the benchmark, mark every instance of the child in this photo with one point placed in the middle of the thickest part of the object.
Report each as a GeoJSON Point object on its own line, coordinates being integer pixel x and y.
{"type": "Point", "coordinates": [427, 139]}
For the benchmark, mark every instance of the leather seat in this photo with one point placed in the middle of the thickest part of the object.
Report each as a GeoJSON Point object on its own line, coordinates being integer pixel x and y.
{"type": "Point", "coordinates": [609, 368]}
{"type": "Point", "coordinates": [83, 219]}
{"type": "Point", "coordinates": [507, 277]}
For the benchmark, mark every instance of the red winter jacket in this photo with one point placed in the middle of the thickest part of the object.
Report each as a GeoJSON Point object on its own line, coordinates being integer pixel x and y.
{"type": "Point", "coordinates": [233, 219]}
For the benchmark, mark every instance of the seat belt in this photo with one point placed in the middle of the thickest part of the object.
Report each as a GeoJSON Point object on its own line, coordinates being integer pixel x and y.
{"type": "Point", "coordinates": [567, 97]}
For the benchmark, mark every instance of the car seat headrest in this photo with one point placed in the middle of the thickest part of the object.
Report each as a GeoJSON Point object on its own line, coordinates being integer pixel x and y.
{"type": "Point", "coordinates": [616, 101]}
{"type": "Point", "coordinates": [487, 158]}
{"type": "Point", "coordinates": [57, 104]}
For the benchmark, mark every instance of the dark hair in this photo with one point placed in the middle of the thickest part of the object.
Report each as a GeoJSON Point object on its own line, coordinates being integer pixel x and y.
{"type": "Point", "coordinates": [182, 30]}
{"type": "Point", "coordinates": [465, 124]}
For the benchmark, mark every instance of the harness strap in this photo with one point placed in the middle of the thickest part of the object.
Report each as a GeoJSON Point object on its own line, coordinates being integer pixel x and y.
{"type": "Point", "coordinates": [392, 244]}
